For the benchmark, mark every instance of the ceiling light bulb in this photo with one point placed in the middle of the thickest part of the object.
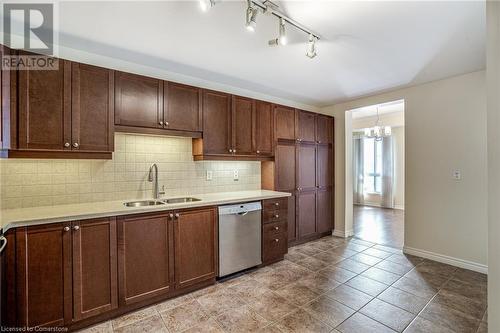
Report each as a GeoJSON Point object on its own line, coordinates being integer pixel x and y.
{"type": "Point", "coordinates": [311, 47]}
{"type": "Point", "coordinates": [206, 4]}
{"type": "Point", "coordinates": [251, 17]}
{"type": "Point", "coordinates": [282, 32]}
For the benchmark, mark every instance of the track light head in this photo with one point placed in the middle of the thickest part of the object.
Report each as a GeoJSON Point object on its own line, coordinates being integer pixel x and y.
{"type": "Point", "coordinates": [251, 16]}
{"type": "Point", "coordinates": [205, 5]}
{"type": "Point", "coordinates": [311, 47]}
{"type": "Point", "coordinates": [282, 32]}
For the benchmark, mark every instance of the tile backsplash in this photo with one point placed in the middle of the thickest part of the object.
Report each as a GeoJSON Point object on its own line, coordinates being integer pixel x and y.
{"type": "Point", "coordinates": [31, 183]}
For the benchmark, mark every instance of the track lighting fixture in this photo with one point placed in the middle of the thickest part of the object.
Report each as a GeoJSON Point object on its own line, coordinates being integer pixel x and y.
{"type": "Point", "coordinates": [206, 4]}
{"type": "Point", "coordinates": [311, 47]}
{"type": "Point", "coordinates": [251, 16]}
{"type": "Point", "coordinates": [281, 40]}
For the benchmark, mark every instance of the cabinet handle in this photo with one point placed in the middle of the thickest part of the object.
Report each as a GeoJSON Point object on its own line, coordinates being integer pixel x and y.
{"type": "Point", "coordinates": [234, 150]}
{"type": "Point", "coordinates": [171, 215]}
{"type": "Point", "coordinates": [276, 216]}
{"type": "Point", "coordinates": [76, 145]}
{"type": "Point", "coordinates": [176, 215]}
{"type": "Point", "coordinates": [276, 228]}
{"type": "Point", "coordinates": [318, 141]}
{"type": "Point", "coordinates": [66, 144]}
{"type": "Point", "coordinates": [66, 229]}
{"type": "Point", "coordinates": [161, 123]}
{"type": "Point", "coordinates": [258, 151]}
{"type": "Point", "coordinates": [76, 228]}
{"type": "Point", "coordinates": [166, 123]}
{"type": "Point", "coordinates": [230, 150]}
{"type": "Point", "coordinates": [276, 203]}
{"type": "Point", "coordinates": [276, 240]}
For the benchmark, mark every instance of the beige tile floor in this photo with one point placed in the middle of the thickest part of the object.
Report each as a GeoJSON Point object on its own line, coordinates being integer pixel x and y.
{"type": "Point", "coordinates": [330, 285]}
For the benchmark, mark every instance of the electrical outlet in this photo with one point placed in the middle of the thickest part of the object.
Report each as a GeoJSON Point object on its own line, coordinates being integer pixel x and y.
{"type": "Point", "coordinates": [457, 175]}
{"type": "Point", "coordinates": [209, 175]}
{"type": "Point", "coordinates": [236, 175]}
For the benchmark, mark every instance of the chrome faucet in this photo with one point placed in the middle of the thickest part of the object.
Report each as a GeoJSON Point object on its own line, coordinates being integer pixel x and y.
{"type": "Point", "coordinates": [153, 178]}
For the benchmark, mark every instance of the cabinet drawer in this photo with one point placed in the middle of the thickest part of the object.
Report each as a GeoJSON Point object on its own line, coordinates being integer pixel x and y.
{"type": "Point", "coordinates": [274, 247]}
{"type": "Point", "coordinates": [269, 216]}
{"type": "Point", "coordinates": [275, 204]}
{"type": "Point", "coordinates": [273, 229]}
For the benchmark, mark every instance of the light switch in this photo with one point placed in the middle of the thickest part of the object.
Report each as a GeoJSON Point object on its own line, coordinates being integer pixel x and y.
{"type": "Point", "coordinates": [236, 175]}
{"type": "Point", "coordinates": [209, 174]}
{"type": "Point", "coordinates": [457, 174]}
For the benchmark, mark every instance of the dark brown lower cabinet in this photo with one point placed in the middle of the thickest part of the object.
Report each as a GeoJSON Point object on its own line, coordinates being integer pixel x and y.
{"type": "Point", "coordinates": [145, 262]}
{"type": "Point", "coordinates": [195, 246]}
{"type": "Point", "coordinates": [274, 230]}
{"type": "Point", "coordinates": [95, 288]}
{"type": "Point", "coordinates": [306, 214]}
{"type": "Point", "coordinates": [324, 210]}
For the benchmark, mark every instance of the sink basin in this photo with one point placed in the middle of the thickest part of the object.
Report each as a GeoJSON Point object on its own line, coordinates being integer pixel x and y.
{"type": "Point", "coordinates": [181, 200]}
{"type": "Point", "coordinates": [143, 203]}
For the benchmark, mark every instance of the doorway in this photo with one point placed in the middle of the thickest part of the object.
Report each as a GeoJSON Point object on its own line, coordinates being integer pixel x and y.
{"type": "Point", "coordinates": [377, 171]}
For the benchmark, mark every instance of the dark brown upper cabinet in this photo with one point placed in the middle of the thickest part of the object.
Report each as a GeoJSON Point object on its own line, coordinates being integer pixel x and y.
{"type": "Point", "coordinates": [324, 129]}
{"type": "Point", "coordinates": [92, 111]}
{"type": "Point", "coordinates": [284, 120]}
{"type": "Point", "coordinates": [63, 113]}
{"type": "Point", "coordinates": [44, 113]}
{"type": "Point", "coordinates": [306, 124]}
{"type": "Point", "coordinates": [306, 167]}
{"type": "Point", "coordinates": [138, 101]}
{"type": "Point", "coordinates": [243, 119]}
{"type": "Point", "coordinates": [264, 128]}
{"type": "Point", "coordinates": [182, 107]}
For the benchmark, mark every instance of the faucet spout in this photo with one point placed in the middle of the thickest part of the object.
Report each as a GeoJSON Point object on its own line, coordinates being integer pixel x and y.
{"type": "Point", "coordinates": [153, 178]}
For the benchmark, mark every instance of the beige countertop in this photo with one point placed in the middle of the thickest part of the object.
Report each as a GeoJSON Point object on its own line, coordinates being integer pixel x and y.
{"type": "Point", "coordinates": [12, 218]}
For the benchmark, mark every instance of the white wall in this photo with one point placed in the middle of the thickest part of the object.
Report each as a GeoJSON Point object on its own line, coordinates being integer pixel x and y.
{"type": "Point", "coordinates": [445, 124]}
{"type": "Point", "coordinates": [493, 74]}
{"type": "Point", "coordinates": [398, 134]}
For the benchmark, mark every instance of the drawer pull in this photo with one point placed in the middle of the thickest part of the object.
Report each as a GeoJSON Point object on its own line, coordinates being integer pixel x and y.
{"type": "Point", "coordinates": [276, 240]}
{"type": "Point", "coordinates": [276, 216]}
{"type": "Point", "coordinates": [276, 228]}
{"type": "Point", "coordinates": [277, 204]}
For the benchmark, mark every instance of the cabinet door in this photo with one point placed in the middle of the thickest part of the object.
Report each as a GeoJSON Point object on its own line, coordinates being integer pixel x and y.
{"type": "Point", "coordinates": [306, 166]}
{"type": "Point", "coordinates": [324, 129]}
{"type": "Point", "coordinates": [306, 213]}
{"type": "Point", "coordinates": [138, 101]}
{"type": "Point", "coordinates": [306, 126]}
{"type": "Point", "coordinates": [324, 166]}
{"type": "Point", "coordinates": [92, 108]}
{"type": "Point", "coordinates": [195, 246]}
{"type": "Point", "coordinates": [284, 122]}
{"type": "Point", "coordinates": [95, 284]}
{"type": "Point", "coordinates": [145, 249]}
{"type": "Point", "coordinates": [216, 123]}
{"type": "Point", "coordinates": [285, 167]}
{"type": "Point", "coordinates": [324, 210]}
{"type": "Point", "coordinates": [182, 107]}
{"type": "Point", "coordinates": [43, 276]}
{"type": "Point", "coordinates": [292, 219]}
{"type": "Point", "coordinates": [264, 125]}
{"type": "Point", "coordinates": [243, 120]}
{"type": "Point", "coordinates": [45, 108]}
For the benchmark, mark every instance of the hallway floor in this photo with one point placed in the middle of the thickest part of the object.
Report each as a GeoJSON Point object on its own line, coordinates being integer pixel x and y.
{"type": "Point", "coordinates": [379, 225]}
{"type": "Point", "coordinates": [329, 285]}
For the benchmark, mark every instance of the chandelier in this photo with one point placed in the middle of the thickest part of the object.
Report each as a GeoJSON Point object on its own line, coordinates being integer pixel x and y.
{"type": "Point", "coordinates": [378, 132]}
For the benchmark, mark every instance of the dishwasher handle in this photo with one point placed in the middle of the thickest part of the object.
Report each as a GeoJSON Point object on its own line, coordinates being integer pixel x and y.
{"type": "Point", "coordinates": [4, 243]}
{"type": "Point", "coordinates": [243, 213]}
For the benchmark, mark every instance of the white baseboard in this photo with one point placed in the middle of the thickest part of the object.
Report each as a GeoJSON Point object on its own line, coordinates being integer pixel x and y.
{"type": "Point", "coordinates": [343, 233]}
{"type": "Point", "coordinates": [473, 266]}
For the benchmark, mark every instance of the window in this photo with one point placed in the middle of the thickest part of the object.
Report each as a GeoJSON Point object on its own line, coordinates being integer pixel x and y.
{"type": "Point", "coordinates": [372, 151]}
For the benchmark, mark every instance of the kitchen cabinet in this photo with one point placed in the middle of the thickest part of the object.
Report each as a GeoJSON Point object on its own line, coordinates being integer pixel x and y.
{"type": "Point", "coordinates": [62, 113]}
{"type": "Point", "coordinates": [306, 126]}
{"type": "Point", "coordinates": [243, 115]}
{"type": "Point", "coordinates": [65, 272]}
{"type": "Point", "coordinates": [274, 230]}
{"type": "Point", "coordinates": [264, 128]}
{"type": "Point", "coordinates": [182, 107]}
{"type": "Point", "coordinates": [324, 129]}
{"type": "Point", "coordinates": [92, 108]}
{"type": "Point", "coordinates": [324, 166]}
{"type": "Point", "coordinates": [43, 275]}
{"type": "Point", "coordinates": [145, 257]}
{"type": "Point", "coordinates": [138, 101]}
{"type": "Point", "coordinates": [284, 123]}
{"type": "Point", "coordinates": [195, 235]}
{"type": "Point", "coordinates": [324, 210]}
{"type": "Point", "coordinates": [306, 167]}
{"type": "Point", "coordinates": [95, 283]}
{"type": "Point", "coordinates": [306, 214]}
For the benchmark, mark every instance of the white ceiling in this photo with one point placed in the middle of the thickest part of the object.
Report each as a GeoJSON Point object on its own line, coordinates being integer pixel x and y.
{"type": "Point", "coordinates": [366, 47]}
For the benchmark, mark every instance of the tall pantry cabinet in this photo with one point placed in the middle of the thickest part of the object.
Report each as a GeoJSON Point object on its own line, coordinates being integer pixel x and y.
{"type": "Point", "coordinates": [303, 166]}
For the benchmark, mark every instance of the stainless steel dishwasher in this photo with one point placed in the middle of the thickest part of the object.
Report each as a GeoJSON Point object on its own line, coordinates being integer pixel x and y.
{"type": "Point", "coordinates": [239, 237]}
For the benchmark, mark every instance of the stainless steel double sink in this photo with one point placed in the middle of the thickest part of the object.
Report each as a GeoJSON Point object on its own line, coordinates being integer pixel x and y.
{"type": "Point", "coordinates": [145, 203]}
